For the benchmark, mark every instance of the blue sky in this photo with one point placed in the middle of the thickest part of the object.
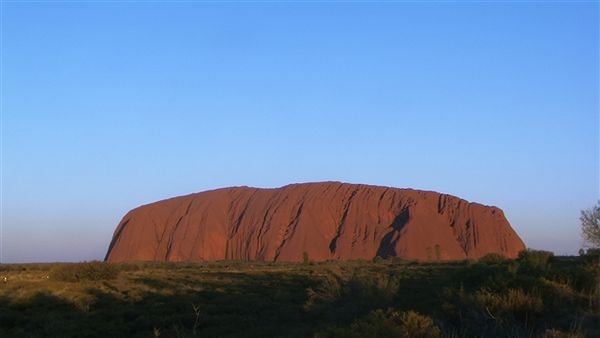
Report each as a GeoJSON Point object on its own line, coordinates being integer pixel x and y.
{"type": "Point", "coordinates": [107, 106]}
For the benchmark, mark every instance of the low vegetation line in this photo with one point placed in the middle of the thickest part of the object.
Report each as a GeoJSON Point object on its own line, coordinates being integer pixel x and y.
{"type": "Point", "coordinates": [536, 295]}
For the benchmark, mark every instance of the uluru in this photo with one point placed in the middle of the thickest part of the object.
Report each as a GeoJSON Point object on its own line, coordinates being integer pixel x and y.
{"type": "Point", "coordinates": [324, 221]}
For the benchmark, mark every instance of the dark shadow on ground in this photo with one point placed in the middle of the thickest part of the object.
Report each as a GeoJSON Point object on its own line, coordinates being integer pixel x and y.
{"type": "Point", "coordinates": [249, 304]}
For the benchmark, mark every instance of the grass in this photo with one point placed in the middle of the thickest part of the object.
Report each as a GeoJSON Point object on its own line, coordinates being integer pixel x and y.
{"type": "Point", "coordinates": [539, 296]}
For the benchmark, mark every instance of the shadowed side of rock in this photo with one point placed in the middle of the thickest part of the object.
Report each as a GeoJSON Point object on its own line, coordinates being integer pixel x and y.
{"type": "Point", "coordinates": [328, 220]}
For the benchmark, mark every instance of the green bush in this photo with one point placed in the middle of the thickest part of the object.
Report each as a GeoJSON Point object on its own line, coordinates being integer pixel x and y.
{"type": "Point", "coordinates": [563, 334]}
{"type": "Point", "coordinates": [330, 290]}
{"type": "Point", "coordinates": [592, 255]}
{"type": "Point", "coordinates": [378, 259]}
{"type": "Point", "coordinates": [535, 260]}
{"type": "Point", "coordinates": [361, 290]}
{"type": "Point", "coordinates": [396, 260]}
{"type": "Point", "coordinates": [373, 286]}
{"type": "Point", "coordinates": [489, 313]}
{"type": "Point", "coordinates": [494, 276]}
{"type": "Point", "coordinates": [388, 323]}
{"type": "Point", "coordinates": [493, 258]}
{"type": "Point", "coordinates": [86, 271]}
{"type": "Point", "coordinates": [515, 303]}
{"type": "Point", "coordinates": [413, 324]}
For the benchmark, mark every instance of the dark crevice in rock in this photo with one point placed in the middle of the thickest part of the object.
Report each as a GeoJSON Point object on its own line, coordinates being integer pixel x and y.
{"type": "Point", "coordinates": [290, 230]}
{"type": "Point", "coordinates": [441, 203]}
{"type": "Point", "coordinates": [387, 247]}
{"type": "Point", "coordinates": [379, 205]}
{"type": "Point", "coordinates": [341, 223]}
{"type": "Point", "coordinates": [175, 227]}
{"type": "Point", "coordinates": [238, 222]}
{"type": "Point", "coordinates": [263, 225]}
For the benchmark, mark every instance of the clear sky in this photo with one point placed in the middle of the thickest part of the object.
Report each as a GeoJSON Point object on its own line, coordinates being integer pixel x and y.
{"type": "Point", "coordinates": [107, 106]}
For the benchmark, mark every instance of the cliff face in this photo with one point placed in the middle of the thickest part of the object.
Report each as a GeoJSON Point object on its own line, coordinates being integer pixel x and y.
{"type": "Point", "coordinates": [326, 220]}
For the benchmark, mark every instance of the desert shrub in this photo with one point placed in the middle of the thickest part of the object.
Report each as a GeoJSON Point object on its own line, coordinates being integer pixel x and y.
{"type": "Point", "coordinates": [378, 259]}
{"type": "Point", "coordinates": [590, 252]}
{"type": "Point", "coordinates": [24, 267]}
{"type": "Point", "coordinates": [489, 313]}
{"type": "Point", "coordinates": [413, 324]}
{"type": "Point", "coordinates": [583, 277]}
{"type": "Point", "coordinates": [534, 260]}
{"type": "Point", "coordinates": [493, 258]}
{"type": "Point", "coordinates": [396, 260]}
{"type": "Point", "coordinates": [329, 291]}
{"type": "Point", "coordinates": [592, 255]}
{"type": "Point", "coordinates": [86, 271]}
{"type": "Point", "coordinates": [353, 295]}
{"type": "Point", "coordinates": [557, 293]}
{"type": "Point", "coordinates": [494, 276]}
{"type": "Point", "coordinates": [388, 323]}
{"type": "Point", "coordinates": [374, 286]}
{"type": "Point", "coordinates": [130, 266]}
{"type": "Point", "coordinates": [515, 303]}
{"type": "Point", "coordinates": [552, 333]}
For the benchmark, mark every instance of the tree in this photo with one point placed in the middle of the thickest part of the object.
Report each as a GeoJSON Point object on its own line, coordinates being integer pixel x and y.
{"type": "Point", "coordinates": [590, 225]}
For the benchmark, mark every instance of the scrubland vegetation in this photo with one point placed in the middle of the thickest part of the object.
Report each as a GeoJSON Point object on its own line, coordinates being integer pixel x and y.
{"type": "Point", "coordinates": [537, 295]}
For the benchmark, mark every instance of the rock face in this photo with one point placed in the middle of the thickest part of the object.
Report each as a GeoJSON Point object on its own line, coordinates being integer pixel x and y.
{"type": "Point", "coordinates": [327, 220]}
